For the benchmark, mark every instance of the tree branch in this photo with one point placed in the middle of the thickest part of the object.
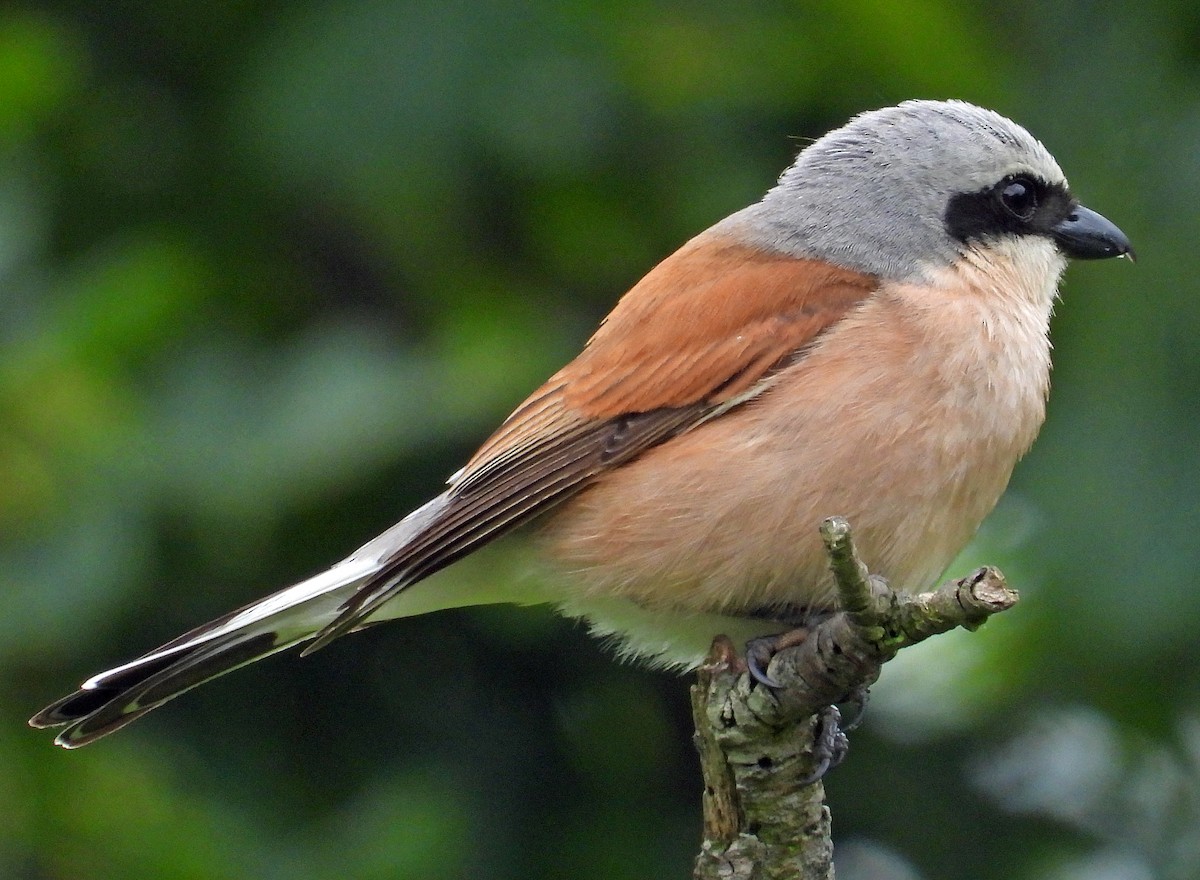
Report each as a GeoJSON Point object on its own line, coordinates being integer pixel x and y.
{"type": "Point", "coordinates": [765, 817]}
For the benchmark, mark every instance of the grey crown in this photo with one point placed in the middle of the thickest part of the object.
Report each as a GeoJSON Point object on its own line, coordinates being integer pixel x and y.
{"type": "Point", "coordinates": [872, 194]}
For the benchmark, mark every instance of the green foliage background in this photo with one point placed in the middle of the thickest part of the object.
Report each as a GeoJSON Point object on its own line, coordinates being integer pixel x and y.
{"type": "Point", "coordinates": [269, 271]}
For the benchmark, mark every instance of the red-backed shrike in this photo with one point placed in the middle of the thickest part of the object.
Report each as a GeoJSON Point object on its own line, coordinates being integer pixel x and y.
{"type": "Point", "coordinates": [868, 340]}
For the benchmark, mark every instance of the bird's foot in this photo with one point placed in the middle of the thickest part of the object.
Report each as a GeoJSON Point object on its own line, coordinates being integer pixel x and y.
{"type": "Point", "coordinates": [830, 744]}
{"type": "Point", "coordinates": [760, 651]}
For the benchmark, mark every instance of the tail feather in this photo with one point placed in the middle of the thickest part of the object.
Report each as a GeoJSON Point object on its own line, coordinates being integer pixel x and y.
{"type": "Point", "coordinates": [91, 713]}
{"type": "Point", "coordinates": [114, 698]}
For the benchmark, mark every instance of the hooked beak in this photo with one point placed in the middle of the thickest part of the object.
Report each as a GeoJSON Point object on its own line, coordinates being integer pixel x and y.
{"type": "Point", "coordinates": [1086, 235]}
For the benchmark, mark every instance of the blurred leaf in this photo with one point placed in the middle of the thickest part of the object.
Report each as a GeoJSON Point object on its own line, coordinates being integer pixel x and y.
{"type": "Point", "coordinates": [41, 66]}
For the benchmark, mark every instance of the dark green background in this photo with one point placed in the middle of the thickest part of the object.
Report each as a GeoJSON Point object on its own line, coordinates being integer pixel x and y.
{"type": "Point", "coordinates": [270, 270]}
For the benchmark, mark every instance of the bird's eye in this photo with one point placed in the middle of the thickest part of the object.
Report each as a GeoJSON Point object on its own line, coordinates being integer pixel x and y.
{"type": "Point", "coordinates": [1020, 198]}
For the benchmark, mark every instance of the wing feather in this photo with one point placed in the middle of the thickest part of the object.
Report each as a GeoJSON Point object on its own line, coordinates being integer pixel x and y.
{"type": "Point", "coordinates": [700, 333]}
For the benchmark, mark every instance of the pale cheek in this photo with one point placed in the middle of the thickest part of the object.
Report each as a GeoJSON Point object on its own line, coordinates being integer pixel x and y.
{"type": "Point", "coordinates": [1014, 271]}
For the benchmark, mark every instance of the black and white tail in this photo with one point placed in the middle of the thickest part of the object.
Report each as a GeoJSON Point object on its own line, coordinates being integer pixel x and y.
{"type": "Point", "coordinates": [112, 699]}
{"type": "Point", "coordinates": [520, 473]}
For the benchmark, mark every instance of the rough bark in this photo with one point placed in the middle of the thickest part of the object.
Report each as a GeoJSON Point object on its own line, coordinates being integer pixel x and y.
{"type": "Point", "coordinates": [761, 750]}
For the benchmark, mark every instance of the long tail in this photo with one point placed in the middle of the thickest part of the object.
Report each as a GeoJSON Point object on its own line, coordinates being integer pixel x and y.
{"type": "Point", "coordinates": [112, 699]}
{"type": "Point", "coordinates": [509, 486]}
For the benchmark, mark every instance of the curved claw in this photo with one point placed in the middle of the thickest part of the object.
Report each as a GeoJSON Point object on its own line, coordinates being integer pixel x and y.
{"type": "Point", "coordinates": [758, 658]}
{"type": "Point", "coordinates": [830, 744]}
{"type": "Point", "coordinates": [857, 700]}
{"type": "Point", "coordinates": [760, 651]}
{"type": "Point", "coordinates": [823, 767]}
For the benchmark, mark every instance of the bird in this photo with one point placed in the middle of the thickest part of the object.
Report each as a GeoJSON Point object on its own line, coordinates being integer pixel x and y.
{"type": "Point", "coordinates": [870, 339]}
